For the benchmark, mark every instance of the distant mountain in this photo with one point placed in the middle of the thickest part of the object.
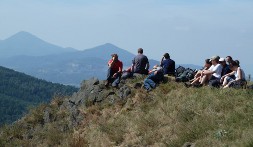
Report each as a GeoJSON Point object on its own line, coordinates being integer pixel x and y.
{"type": "Point", "coordinates": [60, 65]}
{"type": "Point", "coordinates": [18, 91]}
{"type": "Point", "coordinates": [24, 43]}
{"type": "Point", "coordinates": [69, 68]}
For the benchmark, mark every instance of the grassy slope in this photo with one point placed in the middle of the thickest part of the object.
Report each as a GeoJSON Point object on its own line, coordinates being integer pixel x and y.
{"type": "Point", "coordinates": [168, 116]}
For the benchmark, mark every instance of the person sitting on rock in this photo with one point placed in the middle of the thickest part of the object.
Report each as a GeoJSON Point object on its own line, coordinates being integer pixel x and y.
{"type": "Point", "coordinates": [114, 71]}
{"type": "Point", "coordinates": [140, 65]}
{"type": "Point", "coordinates": [155, 76]}
{"type": "Point", "coordinates": [168, 65]}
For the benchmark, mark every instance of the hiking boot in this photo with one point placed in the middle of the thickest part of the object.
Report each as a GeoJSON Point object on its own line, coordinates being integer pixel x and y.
{"type": "Point", "coordinates": [198, 85]}
{"type": "Point", "coordinates": [187, 85]}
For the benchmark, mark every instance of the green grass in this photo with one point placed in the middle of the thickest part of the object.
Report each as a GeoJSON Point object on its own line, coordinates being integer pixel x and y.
{"type": "Point", "coordinates": [170, 115]}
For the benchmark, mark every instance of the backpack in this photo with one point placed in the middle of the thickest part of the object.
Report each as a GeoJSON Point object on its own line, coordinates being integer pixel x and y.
{"type": "Point", "coordinates": [187, 75]}
{"type": "Point", "coordinates": [180, 70]}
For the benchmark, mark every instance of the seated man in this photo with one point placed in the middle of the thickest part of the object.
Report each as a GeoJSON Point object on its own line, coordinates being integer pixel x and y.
{"type": "Point", "coordinates": [155, 76]}
{"type": "Point", "coordinates": [225, 70]}
{"type": "Point", "coordinates": [168, 65]}
{"type": "Point", "coordinates": [140, 65]}
{"type": "Point", "coordinates": [114, 71]}
{"type": "Point", "coordinates": [213, 73]}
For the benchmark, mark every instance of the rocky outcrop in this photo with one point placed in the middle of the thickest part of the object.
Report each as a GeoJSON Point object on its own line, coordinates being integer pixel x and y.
{"type": "Point", "coordinates": [93, 91]}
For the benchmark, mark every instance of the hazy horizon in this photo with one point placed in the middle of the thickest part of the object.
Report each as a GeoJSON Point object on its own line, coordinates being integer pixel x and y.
{"type": "Point", "coordinates": [189, 30]}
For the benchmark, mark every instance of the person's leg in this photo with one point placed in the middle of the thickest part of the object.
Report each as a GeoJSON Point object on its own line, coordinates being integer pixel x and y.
{"type": "Point", "coordinates": [109, 74]}
{"type": "Point", "coordinates": [116, 81]}
{"type": "Point", "coordinates": [225, 81]}
{"type": "Point", "coordinates": [126, 75]}
{"type": "Point", "coordinates": [152, 83]}
{"type": "Point", "coordinates": [109, 77]}
{"type": "Point", "coordinates": [146, 84]}
{"type": "Point", "coordinates": [149, 84]}
{"type": "Point", "coordinates": [195, 81]}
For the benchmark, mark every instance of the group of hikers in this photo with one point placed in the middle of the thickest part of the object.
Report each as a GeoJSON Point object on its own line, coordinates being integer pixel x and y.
{"type": "Point", "coordinates": [217, 72]}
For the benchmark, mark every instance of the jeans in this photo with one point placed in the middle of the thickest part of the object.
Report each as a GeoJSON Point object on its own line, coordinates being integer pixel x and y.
{"type": "Point", "coordinates": [149, 84]}
{"type": "Point", "coordinates": [114, 80]}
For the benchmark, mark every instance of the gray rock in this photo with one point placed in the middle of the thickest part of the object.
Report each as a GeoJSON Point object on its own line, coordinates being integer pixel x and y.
{"type": "Point", "coordinates": [88, 83]}
{"type": "Point", "coordinates": [137, 75]}
{"type": "Point", "coordinates": [75, 117]}
{"type": "Point", "coordinates": [137, 85]}
{"type": "Point", "coordinates": [47, 117]}
{"type": "Point", "coordinates": [124, 92]}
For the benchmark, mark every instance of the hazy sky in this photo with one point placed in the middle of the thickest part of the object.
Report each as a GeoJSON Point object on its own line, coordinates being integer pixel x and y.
{"type": "Point", "coordinates": [190, 30]}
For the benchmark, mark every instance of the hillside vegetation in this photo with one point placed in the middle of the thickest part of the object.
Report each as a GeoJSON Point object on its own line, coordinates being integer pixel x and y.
{"type": "Point", "coordinates": [170, 115]}
{"type": "Point", "coordinates": [19, 91]}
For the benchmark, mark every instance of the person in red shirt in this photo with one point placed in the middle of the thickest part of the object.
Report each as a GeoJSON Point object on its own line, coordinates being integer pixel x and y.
{"type": "Point", "coordinates": [114, 71]}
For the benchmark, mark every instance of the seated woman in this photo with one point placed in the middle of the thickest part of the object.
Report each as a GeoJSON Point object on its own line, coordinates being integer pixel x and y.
{"type": "Point", "coordinates": [198, 75]}
{"type": "Point", "coordinates": [239, 76]}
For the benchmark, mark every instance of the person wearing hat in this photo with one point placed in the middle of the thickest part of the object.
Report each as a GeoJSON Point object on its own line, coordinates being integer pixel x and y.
{"type": "Point", "coordinates": [225, 67]}
{"type": "Point", "coordinates": [225, 70]}
{"type": "Point", "coordinates": [213, 73]}
{"type": "Point", "coordinates": [114, 71]}
{"type": "Point", "coordinates": [168, 65]}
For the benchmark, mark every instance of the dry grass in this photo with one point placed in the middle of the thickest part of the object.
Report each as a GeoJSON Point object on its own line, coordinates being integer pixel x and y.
{"type": "Point", "coordinates": [170, 115]}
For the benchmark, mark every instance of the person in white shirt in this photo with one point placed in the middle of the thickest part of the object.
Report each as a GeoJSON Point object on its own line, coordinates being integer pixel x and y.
{"type": "Point", "coordinates": [239, 76]}
{"type": "Point", "coordinates": [213, 73]}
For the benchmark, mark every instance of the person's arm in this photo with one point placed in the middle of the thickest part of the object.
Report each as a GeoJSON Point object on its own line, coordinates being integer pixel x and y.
{"type": "Point", "coordinates": [239, 72]}
{"type": "Point", "coordinates": [120, 68]}
{"type": "Point", "coordinates": [229, 74]}
{"type": "Point", "coordinates": [111, 62]}
{"type": "Point", "coordinates": [207, 72]}
{"type": "Point", "coordinates": [161, 63]}
{"type": "Point", "coordinates": [147, 66]}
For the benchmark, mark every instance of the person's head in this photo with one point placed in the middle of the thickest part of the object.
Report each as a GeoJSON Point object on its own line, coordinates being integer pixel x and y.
{"type": "Point", "coordinates": [115, 57]}
{"type": "Point", "coordinates": [208, 63]}
{"type": "Point", "coordinates": [166, 56]}
{"type": "Point", "coordinates": [140, 51]}
{"type": "Point", "coordinates": [234, 65]}
{"type": "Point", "coordinates": [229, 59]}
{"type": "Point", "coordinates": [215, 60]}
{"type": "Point", "coordinates": [222, 61]}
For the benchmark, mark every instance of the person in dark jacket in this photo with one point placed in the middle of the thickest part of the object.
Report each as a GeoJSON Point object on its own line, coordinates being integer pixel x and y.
{"type": "Point", "coordinates": [168, 65]}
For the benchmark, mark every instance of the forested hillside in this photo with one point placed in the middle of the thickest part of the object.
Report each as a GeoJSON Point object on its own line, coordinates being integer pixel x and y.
{"type": "Point", "coordinates": [18, 91]}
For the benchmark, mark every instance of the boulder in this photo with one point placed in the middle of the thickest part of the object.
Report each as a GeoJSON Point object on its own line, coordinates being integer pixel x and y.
{"type": "Point", "coordinates": [124, 92]}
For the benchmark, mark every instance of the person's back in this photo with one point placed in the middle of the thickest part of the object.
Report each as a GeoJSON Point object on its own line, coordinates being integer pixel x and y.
{"type": "Point", "coordinates": [140, 63]}
{"type": "Point", "coordinates": [168, 65]}
{"type": "Point", "coordinates": [242, 74]}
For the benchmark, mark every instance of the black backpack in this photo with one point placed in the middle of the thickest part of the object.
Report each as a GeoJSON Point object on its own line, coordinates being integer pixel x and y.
{"type": "Point", "coordinates": [180, 70]}
{"type": "Point", "coordinates": [187, 75]}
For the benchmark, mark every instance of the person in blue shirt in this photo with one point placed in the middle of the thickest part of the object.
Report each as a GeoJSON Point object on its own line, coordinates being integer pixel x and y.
{"type": "Point", "coordinates": [168, 65]}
